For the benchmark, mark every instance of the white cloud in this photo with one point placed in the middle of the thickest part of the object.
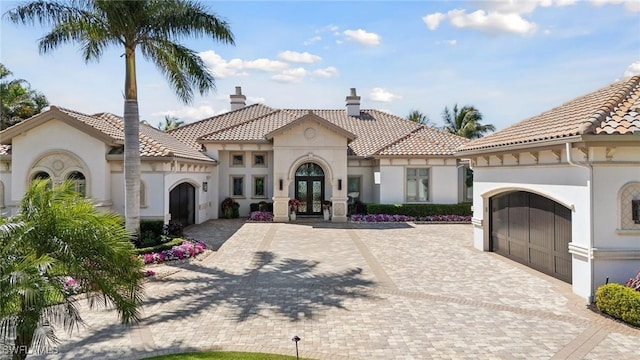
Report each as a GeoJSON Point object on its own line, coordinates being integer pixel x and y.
{"type": "Point", "coordinates": [312, 40]}
{"type": "Point", "coordinates": [382, 95]}
{"type": "Point", "coordinates": [294, 56]}
{"type": "Point", "coordinates": [222, 68]}
{"type": "Point", "coordinates": [433, 20]}
{"type": "Point", "coordinates": [363, 37]}
{"type": "Point", "coordinates": [326, 72]}
{"type": "Point", "coordinates": [629, 5]}
{"type": "Point", "coordinates": [191, 112]}
{"type": "Point", "coordinates": [633, 69]}
{"type": "Point", "coordinates": [290, 75]}
{"type": "Point", "coordinates": [491, 22]}
{"type": "Point", "coordinates": [255, 100]}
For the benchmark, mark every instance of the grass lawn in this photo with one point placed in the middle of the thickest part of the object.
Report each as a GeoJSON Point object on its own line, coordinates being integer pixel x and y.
{"type": "Point", "coordinates": [224, 355]}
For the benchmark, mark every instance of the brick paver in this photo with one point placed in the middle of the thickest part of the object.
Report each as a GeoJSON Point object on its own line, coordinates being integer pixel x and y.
{"type": "Point", "coordinates": [391, 291]}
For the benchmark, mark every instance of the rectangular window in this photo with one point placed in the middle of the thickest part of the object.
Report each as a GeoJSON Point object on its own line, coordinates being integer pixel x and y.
{"type": "Point", "coordinates": [259, 187]}
{"type": "Point", "coordinates": [237, 186]}
{"type": "Point", "coordinates": [467, 185]}
{"type": "Point", "coordinates": [259, 160]}
{"type": "Point", "coordinates": [353, 188]}
{"type": "Point", "coordinates": [237, 159]}
{"type": "Point", "coordinates": [417, 185]}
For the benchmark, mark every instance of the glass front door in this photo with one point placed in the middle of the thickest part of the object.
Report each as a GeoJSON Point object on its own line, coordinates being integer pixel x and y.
{"type": "Point", "coordinates": [310, 189]}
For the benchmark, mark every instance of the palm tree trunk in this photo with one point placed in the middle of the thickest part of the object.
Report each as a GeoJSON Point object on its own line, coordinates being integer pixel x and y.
{"type": "Point", "coordinates": [131, 146]}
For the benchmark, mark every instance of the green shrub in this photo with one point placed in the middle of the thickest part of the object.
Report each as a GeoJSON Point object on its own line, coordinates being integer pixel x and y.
{"type": "Point", "coordinates": [620, 302]}
{"type": "Point", "coordinates": [164, 246]}
{"type": "Point", "coordinates": [261, 206]}
{"type": "Point", "coordinates": [419, 210]}
{"type": "Point", "coordinates": [230, 208]}
{"type": "Point", "coordinates": [151, 232]}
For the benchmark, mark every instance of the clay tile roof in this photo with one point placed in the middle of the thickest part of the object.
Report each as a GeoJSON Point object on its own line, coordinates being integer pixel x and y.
{"type": "Point", "coordinates": [190, 133]}
{"type": "Point", "coordinates": [425, 139]}
{"type": "Point", "coordinates": [107, 127]}
{"type": "Point", "coordinates": [612, 110]}
{"type": "Point", "coordinates": [374, 130]}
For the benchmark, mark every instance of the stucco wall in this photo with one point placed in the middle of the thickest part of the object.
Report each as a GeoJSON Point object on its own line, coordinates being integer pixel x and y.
{"type": "Point", "coordinates": [57, 137]}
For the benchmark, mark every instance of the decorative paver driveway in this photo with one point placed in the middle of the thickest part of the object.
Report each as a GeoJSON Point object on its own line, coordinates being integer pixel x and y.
{"type": "Point", "coordinates": [390, 291]}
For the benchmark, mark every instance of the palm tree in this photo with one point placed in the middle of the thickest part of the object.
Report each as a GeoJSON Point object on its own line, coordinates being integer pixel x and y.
{"type": "Point", "coordinates": [465, 122]}
{"type": "Point", "coordinates": [418, 117]}
{"type": "Point", "coordinates": [170, 123]}
{"type": "Point", "coordinates": [152, 28]}
{"type": "Point", "coordinates": [59, 234]}
{"type": "Point", "coordinates": [17, 100]}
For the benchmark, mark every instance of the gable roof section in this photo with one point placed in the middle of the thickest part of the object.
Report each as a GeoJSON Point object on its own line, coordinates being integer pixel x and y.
{"type": "Point", "coordinates": [425, 139]}
{"type": "Point", "coordinates": [108, 128]}
{"type": "Point", "coordinates": [312, 116]}
{"type": "Point", "coordinates": [86, 123]}
{"type": "Point", "coordinates": [253, 130]}
{"type": "Point", "coordinates": [612, 110]}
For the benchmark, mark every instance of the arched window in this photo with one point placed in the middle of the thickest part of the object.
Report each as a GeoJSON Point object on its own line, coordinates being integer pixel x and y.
{"type": "Point", "coordinates": [79, 182]}
{"type": "Point", "coordinates": [309, 169]}
{"type": "Point", "coordinates": [41, 175]}
{"type": "Point", "coordinates": [630, 206]}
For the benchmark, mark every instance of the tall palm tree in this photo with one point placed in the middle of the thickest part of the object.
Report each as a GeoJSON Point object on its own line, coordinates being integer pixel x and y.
{"type": "Point", "coordinates": [17, 100]}
{"type": "Point", "coordinates": [57, 234]}
{"type": "Point", "coordinates": [418, 117]}
{"type": "Point", "coordinates": [170, 123]}
{"type": "Point", "coordinates": [152, 28]}
{"type": "Point", "coordinates": [465, 122]}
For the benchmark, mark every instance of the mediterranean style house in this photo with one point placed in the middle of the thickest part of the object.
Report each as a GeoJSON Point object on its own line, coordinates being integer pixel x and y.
{"type": "Point", "coordinates": [560, 192]}
{"type": "Point", "coordinates": [251, 154]}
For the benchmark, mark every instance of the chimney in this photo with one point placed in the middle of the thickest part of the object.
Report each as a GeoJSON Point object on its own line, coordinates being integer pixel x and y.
{"type": "Point", "coordinates": [237, 99]}
{"type": "Point", "coordinates": [353, 103]}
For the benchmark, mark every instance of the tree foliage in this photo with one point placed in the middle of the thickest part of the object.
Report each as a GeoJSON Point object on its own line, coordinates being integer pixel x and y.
{"type": "Point", "coordinates": [465, 122]}
{"type": "Point", "coordinates": [17, 100]}
{"type": "Point", "coordinates": [419, 117]}
{"type": "Point", "coordinates": [170, 123]}
{"type": "Point", "coordinates": [56, 235]}
{"type": "Point", "coordinates": [152, 28]}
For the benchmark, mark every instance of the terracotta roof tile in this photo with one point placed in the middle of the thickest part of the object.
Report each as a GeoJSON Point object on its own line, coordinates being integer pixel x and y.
{"type": "Point", "coordinates": [430, 140]}
{"type": "Point", "coordinates": [252, 130]}
{"type": "Point", "coordinates": [612, 110]}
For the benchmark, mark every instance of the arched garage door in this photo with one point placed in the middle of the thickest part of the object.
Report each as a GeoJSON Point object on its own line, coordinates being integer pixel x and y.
{"type": "Point", "coordinates": [182, 204]}
{"type": "Point", "coordinates": [532, 230]}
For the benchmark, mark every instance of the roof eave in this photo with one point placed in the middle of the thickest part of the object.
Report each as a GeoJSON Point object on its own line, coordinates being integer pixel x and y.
{"type": "Point", "coordinates": [519, 146]}
{"type": "Point", "coordinates": [120, 157]}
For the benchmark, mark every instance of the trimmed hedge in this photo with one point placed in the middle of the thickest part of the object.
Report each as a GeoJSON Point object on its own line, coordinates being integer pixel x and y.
{"type": "Point", "coordinates": [266, 206]}
{"type": "Point", "coordinates": [620, 302]}
{"type": "Point", "coordinates": [420, 210]}
{"type": "Point", "coordinates": [164, 246]}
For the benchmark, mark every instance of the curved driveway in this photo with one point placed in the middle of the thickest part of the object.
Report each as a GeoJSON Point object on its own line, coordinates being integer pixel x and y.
{"type": "Point", "coordinates": [383, 291]}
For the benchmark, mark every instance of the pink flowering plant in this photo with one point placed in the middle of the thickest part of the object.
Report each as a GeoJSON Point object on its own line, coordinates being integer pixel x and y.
{"type": "Point", "coordinates": [404, 218]}
{"type": "Point", "coordinates": [261, 216]}
{"type": "Point", "coordinates": [71, 286]}
{"type": "Point", "coordinates": [634, 282]}
{"type": "Point", "coordinates": [186, 250]}
{"type": "Point", "coordinates": [294, 204]}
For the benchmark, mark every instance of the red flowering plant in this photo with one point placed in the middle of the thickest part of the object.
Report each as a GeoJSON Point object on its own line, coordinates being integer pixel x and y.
{"type": "Point", "coordinates": [634, 283]}
{"type": "Point", "coordinates": [294, 204]}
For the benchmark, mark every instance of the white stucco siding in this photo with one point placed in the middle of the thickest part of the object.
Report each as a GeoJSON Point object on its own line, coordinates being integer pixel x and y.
{"type": "Point", "coordinates": [248, 171]}
{"type": "Point", "coordinates": [445, 184]}
{"type": "Point", "coordinates": [57, 137]}
{"type": "Point", "coordinates": [392, 184]}
{"type": "Point", "coordinates": [155, 194]}
{"type": "Point", "coordinates": [444, 180]}
{"type": "Point", "coordinates": [608, 182]}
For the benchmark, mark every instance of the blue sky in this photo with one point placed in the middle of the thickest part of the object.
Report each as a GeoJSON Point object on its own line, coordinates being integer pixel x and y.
{"type": "Point", "coordinates": [510, 59]}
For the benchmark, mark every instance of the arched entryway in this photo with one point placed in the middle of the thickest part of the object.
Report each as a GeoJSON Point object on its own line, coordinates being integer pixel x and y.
{"type": "Point", "coordinates": [533, 230]}
{"type": "Point", "coordinates": [309, 189]}
{"type": "Point", "coordinates": [182, 204]}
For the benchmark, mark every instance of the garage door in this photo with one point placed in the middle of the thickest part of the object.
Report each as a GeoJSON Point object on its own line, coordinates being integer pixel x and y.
{"type": "Point", "coordinates": [532, 230]}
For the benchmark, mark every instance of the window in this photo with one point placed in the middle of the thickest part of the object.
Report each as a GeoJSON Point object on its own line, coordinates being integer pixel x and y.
{"type": "Point", "coordinates": [143, 195]}
{"type": "Point", "coordinates": [79, 182]}
{"type": "Point", "coordinates": [353, 189]}
{"type": "Point", "coordinates": [629, 203]}
{"type": "Point", "coordinates": [259, 159]}
{"type": "Point", "coordinates": [467, 184]}
{"type": "Point", "coordinates": [43, 175]}
{"type": "Point", "coordinates": [259, 187]}
{"type": "Point", "coordinates": [417, 184]}
{"type": "Point", "coordinates": [237, 186]}
{"type": "Point", "coordinates": [237, 159]}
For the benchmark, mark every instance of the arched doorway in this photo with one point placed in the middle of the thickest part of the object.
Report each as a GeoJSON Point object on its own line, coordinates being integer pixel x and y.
{"type": "Point", "coordinates": [533, 230]}
{"type": "Point", "coordinates": [310, 188]}
{"type": "Point", "coordinates": [182, 204]}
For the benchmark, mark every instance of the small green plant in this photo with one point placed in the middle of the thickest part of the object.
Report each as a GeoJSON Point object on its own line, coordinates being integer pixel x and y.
{"type": "Point", "coordinates": [230, 208]}
{"type": "Point", "coordinates": [620, 302]}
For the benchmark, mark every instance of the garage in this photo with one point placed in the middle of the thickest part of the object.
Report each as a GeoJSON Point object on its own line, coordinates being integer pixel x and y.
{"type": "Point", "coordinates": [532, 230]}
